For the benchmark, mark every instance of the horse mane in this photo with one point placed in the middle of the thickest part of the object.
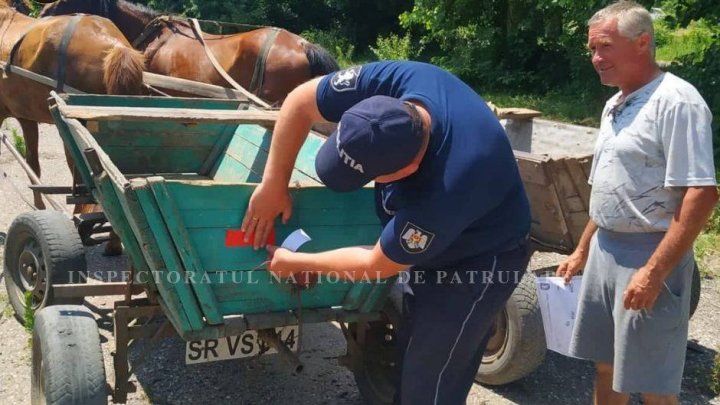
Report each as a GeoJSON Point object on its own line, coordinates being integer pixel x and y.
{"type": "Point", "coordinates": [138, 8]}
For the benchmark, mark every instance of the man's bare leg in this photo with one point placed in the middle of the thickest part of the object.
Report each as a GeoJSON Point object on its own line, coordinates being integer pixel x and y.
{"type": "Point", "coordinates": [653, 399]}
{"type": "Point", "coordinates": [604, 394]}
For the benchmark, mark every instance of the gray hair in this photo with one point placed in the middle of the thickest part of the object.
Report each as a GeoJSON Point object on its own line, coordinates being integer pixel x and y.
{"type": "Point", "coordinates": [633, 20]}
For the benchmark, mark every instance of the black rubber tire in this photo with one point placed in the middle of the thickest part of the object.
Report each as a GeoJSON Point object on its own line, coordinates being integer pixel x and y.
{"type": "Point", "coordinates": [523, 348]}
{"type": "Point", "coordinates": [377, 371]}
{"type": "Point", "coordinates": [695, 290]}
{"type": "Point", "coordinates": [67, 360]}
{"type": "Point", "coordinates": [51, 240]}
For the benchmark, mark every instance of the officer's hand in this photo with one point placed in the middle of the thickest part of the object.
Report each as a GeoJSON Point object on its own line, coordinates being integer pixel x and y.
{"type": "Point", "coordinates": [642, 291]}
{"type": "Point", "coordinates": [279, 264]}
{"type": "Point", "coordinates": [571, 266]}
{"type": "Point", "coordinates": [266, 203]}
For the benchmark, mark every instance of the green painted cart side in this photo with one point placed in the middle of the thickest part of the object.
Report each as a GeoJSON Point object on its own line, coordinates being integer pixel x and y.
{"type": "Point", "coordinates": [175, 175]}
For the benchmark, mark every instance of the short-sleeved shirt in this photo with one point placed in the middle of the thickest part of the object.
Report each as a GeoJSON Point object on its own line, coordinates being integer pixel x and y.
{"type": "Point", "coordinates": [466, 200]}
{"type": "Point", "coordinates": [651, 144]}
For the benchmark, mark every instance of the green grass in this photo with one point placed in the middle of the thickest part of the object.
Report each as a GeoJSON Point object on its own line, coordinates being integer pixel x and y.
{"type": "Point", "coordinates": [673, 45]}
{"type": "Point", "coordinates": [29, 312]}
{"type": "Point", "coordinates": [566, 106]}
{"type": "Point", "coordinates": [19, 142]}
{"type": "Point", "coordinates": [707, 246]}
{"type": "Point", "coordinates": [715, 376]}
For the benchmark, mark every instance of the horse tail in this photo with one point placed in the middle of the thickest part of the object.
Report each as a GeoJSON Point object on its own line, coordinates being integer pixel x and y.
{"type": "Point", "coordinates": [123, 71]}
{"type": "Point", "coordinates": [321, 62]}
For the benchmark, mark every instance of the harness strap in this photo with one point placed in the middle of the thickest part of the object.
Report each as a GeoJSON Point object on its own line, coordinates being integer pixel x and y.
{"type": "Point", "coordinates": [62, 52]}
{"type": "Point", "coordinates": [150, 28]}
{"type": "Point", "coordinates": [196, 27]}
{"type": "Point", "coordinates": [258, 77]}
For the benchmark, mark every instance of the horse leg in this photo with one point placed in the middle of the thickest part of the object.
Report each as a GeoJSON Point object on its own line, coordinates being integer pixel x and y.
{"type": "Point", "coordinates": [32, 154]}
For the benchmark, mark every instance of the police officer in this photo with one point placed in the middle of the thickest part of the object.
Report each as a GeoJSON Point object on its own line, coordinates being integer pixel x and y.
{"type": "Point", "coordinates": [448, 194]}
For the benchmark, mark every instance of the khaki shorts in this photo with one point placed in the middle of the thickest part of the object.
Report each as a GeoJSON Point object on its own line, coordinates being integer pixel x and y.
{"type": "Point", "coordinates": [646, 348]}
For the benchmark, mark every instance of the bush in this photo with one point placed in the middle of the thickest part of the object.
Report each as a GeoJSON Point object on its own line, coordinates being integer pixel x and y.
{"type": "Point", "coordinates": [339, 46]}
{"type": "Point", "coordinates": [702, 69]}
{"type": "Point", "coordinates": [691, 41]}
{"type": "Point", "coordinates": [393, 47]}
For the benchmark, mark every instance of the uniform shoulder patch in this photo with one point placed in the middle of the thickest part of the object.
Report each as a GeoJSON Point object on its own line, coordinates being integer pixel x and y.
{"type": "Point", "coordinates": [346, 80]}
{"type": "Point", "coordinates": [414, 239]}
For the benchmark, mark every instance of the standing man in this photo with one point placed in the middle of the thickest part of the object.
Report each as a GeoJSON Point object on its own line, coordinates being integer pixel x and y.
{"type": "Point", "coordinates": [653, 189]}
{"type": "Point", "coordinates": [448, 194]}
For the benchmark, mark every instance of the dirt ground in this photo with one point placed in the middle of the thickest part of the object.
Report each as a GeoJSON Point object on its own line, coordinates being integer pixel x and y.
{"type": "Point", "coordinates": [165, 379]}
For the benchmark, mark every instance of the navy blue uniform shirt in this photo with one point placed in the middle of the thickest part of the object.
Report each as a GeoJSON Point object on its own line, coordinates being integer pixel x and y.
{"type": "Point", "coordinates": [467, 199]}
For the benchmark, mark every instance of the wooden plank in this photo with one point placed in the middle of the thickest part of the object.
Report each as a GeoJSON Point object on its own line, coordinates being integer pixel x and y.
{"type": "Point", "coordinates": [586, 164]}
{"type": "Point", "coordinates": [231, 170]}
{"type": "Point", "coordinates": [81, 139]}
{"type": "Point", "coordinates": [236, 196]}
{"type": "Point", "coordinates": [378, 295]}
{"type": "Point", "coordinates": [38, 78]}
{"type": "Point", "coordinates": [305, 162]}
{"type": "Point", "coordinates": [562, 180]}
{"type": "Point", "coordinates": [356, 296]}
{"type": "Point", "coordinates": [157, 136]}
{"type": "Point", "coordinates": [259, 292]}
{"type": "Point", "coordinates": [169, 297]}
{"type": "Point", "coordinates": [579, 179]}
{"type": "Point", "coordinates": [192, 87]}
{"type": "Point", "coordinates": [223, 140]}
{"type": "Point", "coordinates": [548, 224]}
{"type": "Point", "coordinates": [516, 113]}
{"type": "Point", "coordinates": [216, 256]}
{"type": "Point", "coordinates": [232, 218]}
{"type": "Point", "coordinates": [110, 199]}
{"type": "Point", "coordinates": [185, 249]}
{"type": "Point", "coordinates": [532, 171]}
{"type": "Point", "coordinates": [132, 161]}
{"type": "Point", "coordinates": [174, 274]}
{"type": "Point", "coordinates": [253, 158]}
{"type": "Point", "coordinates": [104, 100]}
{"type": "Point", "coordinates": [186, 115]}
{"type": "Point", "coordinates": [577, 221]}
{"type": "Point", "coordinates": [574, 204]}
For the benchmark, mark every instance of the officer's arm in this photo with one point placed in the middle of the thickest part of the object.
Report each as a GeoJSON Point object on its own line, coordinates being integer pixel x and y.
{"type": "Point", "coordinates": [352, 263]}
{"type": "Point", "coordinates": [271, 197]}
{"type": "Point", "coordinates": [297, 115]}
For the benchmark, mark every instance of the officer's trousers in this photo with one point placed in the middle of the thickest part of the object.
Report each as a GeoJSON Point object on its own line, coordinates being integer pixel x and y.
{"type": "Point", "coordinates": [447, 320]}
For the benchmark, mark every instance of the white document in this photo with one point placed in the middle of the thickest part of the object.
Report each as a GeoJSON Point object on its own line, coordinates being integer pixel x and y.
{"type": "Point", "coordinates": [295, 240]}
{"type": "Point", "coordinates": [558, 304]}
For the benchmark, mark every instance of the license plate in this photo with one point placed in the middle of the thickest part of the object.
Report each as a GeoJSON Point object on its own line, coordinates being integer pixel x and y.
{"type": "Point", "coordinates": [237, 347]}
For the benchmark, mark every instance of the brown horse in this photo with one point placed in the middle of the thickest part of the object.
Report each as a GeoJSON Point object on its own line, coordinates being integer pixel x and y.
{"type": "Point", "coordinates": [106, 65]}
{"type": "Point", "coordinates": [172, 48]}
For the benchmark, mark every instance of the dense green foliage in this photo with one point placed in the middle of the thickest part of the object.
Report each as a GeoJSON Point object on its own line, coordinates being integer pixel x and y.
{"type": "Point", "coordinates": [532, 50]}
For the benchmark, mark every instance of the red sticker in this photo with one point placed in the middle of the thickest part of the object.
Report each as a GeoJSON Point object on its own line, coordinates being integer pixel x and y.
{"type": "Point", "coordinates": [236, 238]}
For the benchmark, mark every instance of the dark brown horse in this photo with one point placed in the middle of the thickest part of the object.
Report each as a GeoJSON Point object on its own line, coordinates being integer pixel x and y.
{"type": "Point", "coordinates": [106, 65]}
{"type": "Point", "coordinates": [172, 48]}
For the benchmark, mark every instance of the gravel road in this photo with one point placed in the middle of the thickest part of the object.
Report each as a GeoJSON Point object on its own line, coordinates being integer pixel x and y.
{"type": "Point", "coordinates": [164, 378]}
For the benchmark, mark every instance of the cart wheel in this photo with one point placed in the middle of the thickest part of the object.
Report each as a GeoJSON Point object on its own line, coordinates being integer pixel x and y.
{"type": "Point", "coordinates": [517, 346]}
{"type": "Point", "coordinates": [67, 361]}
{"type": "Point", "coordinates": [695, 289]}
{"type": "Point", "coordinates": [42, 248]}
{"type": "Point", "coordinates": [376, 368]}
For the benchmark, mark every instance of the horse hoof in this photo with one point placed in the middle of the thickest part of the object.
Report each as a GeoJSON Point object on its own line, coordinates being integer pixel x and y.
{"type": "Point", "coordinates": [112, 250]}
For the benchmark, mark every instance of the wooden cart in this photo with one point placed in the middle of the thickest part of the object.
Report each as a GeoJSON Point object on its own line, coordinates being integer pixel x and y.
{"type": "Point", "coordinates": [174, 177]}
